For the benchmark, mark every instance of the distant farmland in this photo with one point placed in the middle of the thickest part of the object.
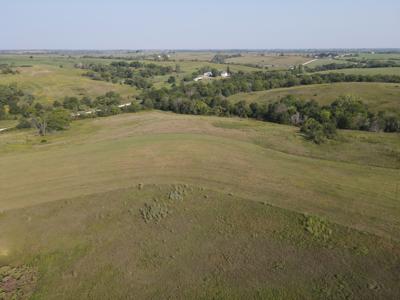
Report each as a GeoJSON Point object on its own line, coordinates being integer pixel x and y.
{"type": "Point", "coordinates": [368, 71]}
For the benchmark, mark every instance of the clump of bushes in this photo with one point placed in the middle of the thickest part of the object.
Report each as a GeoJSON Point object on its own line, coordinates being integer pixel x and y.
{"type": "Point", "coordinates": [17, 282]}
{"type": "Point", "coordinates": [317, 227]}
{"type": "Point", "coordinates": [178, 193]}
{"type": "Point", "coordinates": [154, 212]}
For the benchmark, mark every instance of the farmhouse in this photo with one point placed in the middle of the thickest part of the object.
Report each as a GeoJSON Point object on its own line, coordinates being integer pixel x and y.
{"type": "Point", "coordinates": [225, 74]}
{"type": "Point", "coordinates": [206, 75]}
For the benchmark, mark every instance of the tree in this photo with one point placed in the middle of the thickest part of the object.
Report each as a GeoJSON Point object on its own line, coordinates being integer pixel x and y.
{"type": "Point", "coordinates": [241, 109]}
{"type": "Point", "coordinates": [313, 130]}
{"type": "Point", "coordinates": [40, 123]}
{"type": "Point", "coordinates": [171, 80]}
{"type": "Point", "coordinates": [2, 112]}
{"type": "Point", "coordinates": [134, 107]}
{"type": "Point", "coordinates": [58, 119]}
{"type": "Point", "coordinates": [148, 104]}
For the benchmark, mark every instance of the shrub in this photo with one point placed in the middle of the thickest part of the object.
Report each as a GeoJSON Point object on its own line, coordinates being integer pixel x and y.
{"type": "Point", "coordinates": [24, 123]}
{"type": "Point", "coordinates": [154, 212]}
{"type": "Point", "coordinates": [58, 119]}
{"type": "Point", "coordinates": [317, 227]}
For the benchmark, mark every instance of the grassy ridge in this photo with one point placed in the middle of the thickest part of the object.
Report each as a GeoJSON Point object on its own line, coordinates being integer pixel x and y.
{"type": "Point", "coordinates": [110, 153]}
{"type": "Point", "coordinates": [378, 96]}
{"type": "Point", "coordinates": [368, 71]}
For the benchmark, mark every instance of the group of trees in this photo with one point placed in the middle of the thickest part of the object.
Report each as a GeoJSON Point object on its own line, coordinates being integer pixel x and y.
{"type": "Point", "coordinates": [220, 58]}
{"type": "Point", "coordinates": [317, 122]}
{"type": "Point", "coordinates": [13, 101]}
{"type": "Point", "coordinates": [131, 73]}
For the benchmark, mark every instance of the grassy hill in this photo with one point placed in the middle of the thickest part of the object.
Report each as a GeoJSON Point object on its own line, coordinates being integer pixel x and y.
{"type": "Point", "coordinates": [378, 96]}
{"type": "Point", "coordinates": [49, 82]}
{"type": "Point", "coordinates": [368, 71]}
{"type": "Point", "coordinates": [156, 205]}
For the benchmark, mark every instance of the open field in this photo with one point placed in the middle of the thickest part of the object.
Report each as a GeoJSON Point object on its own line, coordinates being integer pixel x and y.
{"type": "Point", "coordinates": [269, 60]}
{"type": "Point", "coordinates": [368, 71]}
{"type": "Point", "coordinates": [48, 83]}
{"type": "Point", "coordinates": [155, 204]}
{"type": "Point", "coordinates": [378, 96]}
{"type": "Point", "coordinates": [151, 147]}
{"type": "Point", "coordinates": [377, 56]}
{"type": "Point", "coordinates": [206, 56]}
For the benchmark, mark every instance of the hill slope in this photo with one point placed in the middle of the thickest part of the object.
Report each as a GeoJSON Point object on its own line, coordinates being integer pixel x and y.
{"type": "Point", "coordinates": [378, 96]}
{"type": "Point", "coordinates": [157, 204]}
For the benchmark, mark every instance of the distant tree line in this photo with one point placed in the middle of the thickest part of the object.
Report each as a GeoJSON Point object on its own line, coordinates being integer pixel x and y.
{"type": "Point", "coordinates": [220, 58]}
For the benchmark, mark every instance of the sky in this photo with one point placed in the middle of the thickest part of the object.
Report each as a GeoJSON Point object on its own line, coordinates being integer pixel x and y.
{"type": "Point", "coordinates": [200, 24]}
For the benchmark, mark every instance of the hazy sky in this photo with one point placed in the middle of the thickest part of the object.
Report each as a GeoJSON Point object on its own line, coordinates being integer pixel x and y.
{"type": "Point", "coordinates": [200, 24]}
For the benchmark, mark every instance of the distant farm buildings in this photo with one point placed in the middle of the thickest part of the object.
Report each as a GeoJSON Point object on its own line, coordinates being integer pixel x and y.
{"type": "Point", "coordinates": [209, 75]}
{"type": "Point", "coordinates": [225, 74]}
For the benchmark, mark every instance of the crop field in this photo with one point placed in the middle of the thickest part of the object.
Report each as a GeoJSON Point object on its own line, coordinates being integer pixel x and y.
{"type": "Point", "coordinates": [123, 205]}
{"type": "Point", "coordinates": [326, 61]}
{"type": "Point", "coordinates": [378, 96]}
{"type": "Point", "coordinates": [192, 56]}
{"type": "Point", "coordinates": [269, 60]}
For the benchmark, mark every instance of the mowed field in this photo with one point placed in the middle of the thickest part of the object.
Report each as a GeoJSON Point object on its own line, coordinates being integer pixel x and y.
{"type": "Point", "coordinates": [155, 204]}
{"type": "Point", "coordinates": [378, 96]}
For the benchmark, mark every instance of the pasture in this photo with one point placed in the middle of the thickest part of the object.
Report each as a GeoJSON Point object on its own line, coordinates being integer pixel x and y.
{"type": "Point", "coordinates": [153, 204]}
{"type": "Point", "coordinates": [50, 82]}
{"type": "Point", "coordinates": [368, 71]}
{"type": "Point", "coordinates": [378, 96]}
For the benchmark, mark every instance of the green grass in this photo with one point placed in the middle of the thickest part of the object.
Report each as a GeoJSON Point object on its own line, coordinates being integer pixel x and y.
{"type": "Point", "coordinates": [326, 61]}
{"type": "Point", "coordinates": [106, 154]}
{"type": "Point", "coordinates": [210, 245]}
{"type": "Point", "coordinates": [378, 56]}
{"type": "Point", "coordinates": [368, 71]}
{"type": "Point", "coordinates": [378, 96]}
{"type": "Point", "coordinates": [49, 83]}
{"type": "Point", "coordinates": [158, 205]}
